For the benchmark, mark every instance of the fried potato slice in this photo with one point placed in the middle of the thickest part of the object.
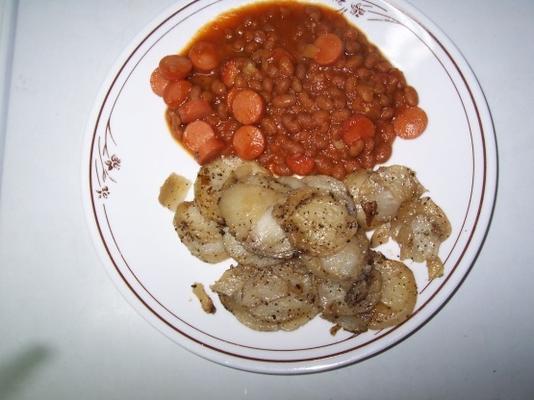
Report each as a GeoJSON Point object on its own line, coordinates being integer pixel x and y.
{"type": "Point", "coordinates": [345, 266]}
{"type": "Point", "coordinates": [316, 221]}
{"type": "Point", "coordinates": [379, 194]}
{"type": "Point", "coordinates": [213, 177]}
{"type": "Point", "coordinates": [202, 237]}
{"type": "Point", "coordinates": [173, 191]}
{"type": "Point", "coordinates": [398, 294]}
{"type": "Point", "coordinates": [280, 297]}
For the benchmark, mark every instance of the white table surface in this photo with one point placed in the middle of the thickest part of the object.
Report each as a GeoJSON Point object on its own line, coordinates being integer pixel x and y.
{"type": "Point", "coordinates": [66, 332]}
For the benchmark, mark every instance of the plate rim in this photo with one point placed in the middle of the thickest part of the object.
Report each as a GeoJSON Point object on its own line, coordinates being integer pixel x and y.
{"type": "Point", "coordinates": [472, 249]}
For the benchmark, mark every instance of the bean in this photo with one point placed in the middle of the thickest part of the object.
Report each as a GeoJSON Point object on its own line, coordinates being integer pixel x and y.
{"type": "Point", "coordinates": [352, 46]}
{"type": "Point", "coordinates": [248, 36]}
{"type": "Point", "coordinates": [296, 85]}
{"type": "Point", "coordinates": [411, 97]}
{"type": "Point", "coordinates": [369, 145]}
{"type": "Point", "coordinates": [340, 115]}
{"type": "Point", "coordinates": [362, 73]}
{"type": "Point", "coordinates": [356, 148]}
{"type": "Point", "coordinates": [228, 34]}
{"type": "Point", "coordinates": [382, 153]}
{"type": "Point", "coordinates": [238, 45]}
{"type": "Point", "coordinates": [351, 166]}
{"type": "Point", "coordinates": [323, 165]}
{"type": "Point", "coordinates": [240, 81]}
{"type": "Point", "coordinates": [321, 142]}
{"type": "Point", "coordinates": [384, 100]}
{"type": "Point", "coordinates": [313, 13]}
{"type": "Point", "coordinates": [320, 117]}
{"type": "Point", "coordinates": [270, 43]}
{"type": "Point", "coordinates": [284, 100]}
{"type": "Point", "coordinates": [324, 103]}
{"type": "Point", "coordinates": [260, 37]}
{"type": "Point", "coordinates": [286, 67]}
{"type": "Point", "coordinates": [206, 96]}
{"type": "Point", "coordinates": [305, 100]}
{"type": "Point", "coordinates": [387, 113]}
{"type": "Point", "coordinates": [354, 62]}
{"type": "Point", "coordinates": [195, 92]}
{"type": "Point", "coordinates": [267, 84]}
{"type": "Point", "coordinates": [268, 126]}
{"type": "Point", "coordinates": [218, 88]}
{"type": "Point", "coordinates": [338, 171]}
{"type": "Point", "coordinates": [339, 81]}
{"type": "Point", "coordinates": [281, 170]}
{"type": "Point", "coordinates": [305, 120]}
{"type": "Point", "coordinates": [300, 71]}
{"type": "Point", "coordinates": [259, 55]}
{"type": "Point", "coordinates": [293, 147]}
{"type": "Point", "coordinates": [399, 98]}
{"type": "Point", "coordinates": [351, 84]}
{"type": "Point", "coordinates": [383, 66]}
{"type": "Point", "coordinates": [290, 123]}
{"type": "Point", "coordinates": [339, 102]}
{"type": "Point", "coordinates": [371, 60]}
{"type": "Point", "coordinates": [272, 71]}
{"type": "Point", "coordinates": [387, 133]}
{"type": "Point", "coordinates": [366, 92]}
{"type": "Point", "coordinates": [251, 47]}
{"type": "Point", "coordinates": [282, 85]}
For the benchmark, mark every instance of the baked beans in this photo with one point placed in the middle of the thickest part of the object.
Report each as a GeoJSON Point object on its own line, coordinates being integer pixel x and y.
{"type": "Point", "coordinates": [294, 86]}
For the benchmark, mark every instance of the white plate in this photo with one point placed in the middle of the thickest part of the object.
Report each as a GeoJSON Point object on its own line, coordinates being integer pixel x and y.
{"type": "Point", "coordinates": [129, 152]}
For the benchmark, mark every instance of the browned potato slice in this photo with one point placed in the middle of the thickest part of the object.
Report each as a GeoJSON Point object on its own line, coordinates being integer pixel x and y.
{"type": "Point", "coordinates": [316, 222]}
{"type": "Point", "coordinates": [379, 194]}
{"type": "Point", "coordinates": [202, 237]}
{"type": "Point", "coordinates": [344, 266]}
{"type": "Point", "coordinates": [282, 296]}
{"type": "Point", "coordinates": [419, 229]}
{"type": "Point", "coordinates": [349, 306]}
{"type": "Point", "coordinates": [213, 177]}
{"type": "Point", "coordinates": [173, 191]}
{"type": "Point", "coordinates": [398, 296]}
{"type": "Point", "coordinates": [243, 256]}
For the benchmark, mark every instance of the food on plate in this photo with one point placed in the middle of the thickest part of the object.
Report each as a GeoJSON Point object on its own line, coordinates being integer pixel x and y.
{"type": "Point", "coordinates": [397, 296]}
{"type": "Point", "coordinates": [173, 191]}
{"type": "Point", "coordinates": [344, 266]}
{"type": "Point", "coordinates": [205, 301]}
{"type": "Point", "coordinates": [282, 296]}
{"type": "Point", "coordinates": [292, 85]}
{"type": "Point", "coordinates": [302, 247]}
{"type": "Point", "coordinates": [201, 236]}
{"type": "Point", "coordinates": [316, 221]}
{"type": "Point", "coordinates": [351, 306]}
{"type": "Point", "coordinates": [379, 194]}
{"type": "Point", "coordinates": [419, 229]}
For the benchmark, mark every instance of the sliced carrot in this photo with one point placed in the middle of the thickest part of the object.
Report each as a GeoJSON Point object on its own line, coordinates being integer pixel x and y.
{"type": "Point", "coordinates": [175, 67]}
{"type": "Point", "coordinates": [247, 106]}
{"type": "Point", "coordinates": [194, 109]}
{"type": "Point", "coordinates": [196, 134]}
{"type": "Point", "coordinates": [158, 82]}
{"type": "Point", "coordinates": [204, 56]}
{"type": "Point", "coordinates": [229, 71]}
{"type": "Point", "coordinates": [209, 151]}
{"type": "Point", "coordinates": [357, 127]}
{"type": "Point", "coordinates": [300, 164]}
{"type": "Point", "coordinates": [231, 96]}
{"type": "Point", "coordinates": [410, 123]}
{"type": "Point", "coordinates": [248, 142]}
{"type": "Point", "coordinates": [330, 48]}
{"type": "Point", "coordinates": [176, 93]}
